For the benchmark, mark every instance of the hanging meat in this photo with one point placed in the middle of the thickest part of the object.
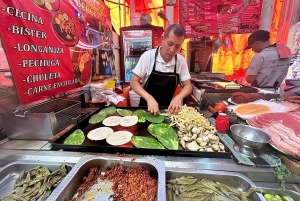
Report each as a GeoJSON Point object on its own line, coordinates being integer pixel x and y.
{"type": "Point", "coordinates": [203, 56]}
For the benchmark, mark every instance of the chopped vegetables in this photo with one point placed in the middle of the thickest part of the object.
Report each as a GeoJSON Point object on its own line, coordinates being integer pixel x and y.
{"type": "Point", "coordinates": [204, 190]}
{"type": "Point", "coordinates": [195, 132]}
{"type": "Point", "coordinates": [270, 197]}
{"type": "Point", "coordinates": [280, 172]}
{"type": "Point", "coordinates": [188, 118]}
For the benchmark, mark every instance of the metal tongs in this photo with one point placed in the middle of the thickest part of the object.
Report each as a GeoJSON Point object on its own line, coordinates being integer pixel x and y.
{"type": "Point", "coordinates": [276, 86]}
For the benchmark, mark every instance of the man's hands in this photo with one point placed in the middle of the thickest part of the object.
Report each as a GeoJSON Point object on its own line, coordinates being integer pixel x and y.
{"type": "Point", "coordinates": [152, 106]}
{"type": "Point", "coordinates": [173, 108]}
{"type": "Point", "coordinates": [175, 105]}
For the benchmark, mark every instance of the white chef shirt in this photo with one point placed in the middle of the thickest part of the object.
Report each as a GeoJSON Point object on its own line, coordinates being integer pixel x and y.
{"type": "Point", "coordinates": [145, 65]}
{"type": "Point", "coordinates": [268, 67]}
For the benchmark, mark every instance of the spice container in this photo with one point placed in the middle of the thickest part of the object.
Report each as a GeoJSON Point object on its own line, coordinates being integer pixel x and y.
{"type": "Point", "coordinates": [222, 123]}
{"type": "Point", "coordinates": [221, 107]}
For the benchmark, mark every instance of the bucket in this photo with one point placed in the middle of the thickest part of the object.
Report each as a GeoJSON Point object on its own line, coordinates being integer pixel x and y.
{"type": "Point", "coordinates": [134, 99]}
{"type": "Point", "coordinates": [110, 84]}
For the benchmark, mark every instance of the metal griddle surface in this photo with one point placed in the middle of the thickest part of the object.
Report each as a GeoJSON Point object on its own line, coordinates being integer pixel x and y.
{"type": "Point", "coordinates": [139, 129]}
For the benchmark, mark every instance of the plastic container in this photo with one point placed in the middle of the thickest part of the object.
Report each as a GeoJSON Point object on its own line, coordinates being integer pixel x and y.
{"type": "Point", "coordinates": [118, 84]}
{"type": "Point", "coordinates": [110, 84]}
{"type": "Point", "coordinates": [221, 106]}
{"type": "Point", "coordinates": [222, 123]}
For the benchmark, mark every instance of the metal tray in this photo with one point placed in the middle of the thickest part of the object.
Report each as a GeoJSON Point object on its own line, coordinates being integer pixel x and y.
{"type": "Point", "coordinates": [72, 181]}
{"type": "Point", "coordinates": [139, 129]}
{"type": "Point", "coordinates": [243, 88]}
{"type": "Point", "coordinates": [232, 179]}
{"type": "Point", "coordinates": [282, 192]}
{"type": "Point", "coordinates": [10, 173]}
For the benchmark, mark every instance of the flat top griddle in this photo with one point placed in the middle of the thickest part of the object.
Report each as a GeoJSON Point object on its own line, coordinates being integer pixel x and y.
{"type": "Point", "coordinates": [210, 86]}
{"type": "Point", "coordinates": [139, 129]}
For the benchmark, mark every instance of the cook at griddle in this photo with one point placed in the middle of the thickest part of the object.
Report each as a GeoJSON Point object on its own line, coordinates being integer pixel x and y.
{"type": "Point", "coordinates": [161, 70]}
{"type": "Point", "coordinates": [267, 69]}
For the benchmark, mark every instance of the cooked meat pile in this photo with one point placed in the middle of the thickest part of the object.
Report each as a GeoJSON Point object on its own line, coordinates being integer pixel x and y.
{"type": "Point", "coordinates": [88, 181]}
{"type": "Point", "coordinates": [128, 183]}
{"type": "Point", "coordinates": [240, 97]}
{"type": "Point", "coordinates": [131, 184]}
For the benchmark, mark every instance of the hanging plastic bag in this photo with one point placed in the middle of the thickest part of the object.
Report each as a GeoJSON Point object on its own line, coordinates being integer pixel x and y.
{"type": "Point", "coordinates": [228, 43]}
{"type": "Point", "coordinates": [217, 44]}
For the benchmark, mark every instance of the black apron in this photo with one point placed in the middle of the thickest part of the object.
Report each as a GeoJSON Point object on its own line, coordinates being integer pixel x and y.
{"type": "Point", "coordinates": [161, 85]}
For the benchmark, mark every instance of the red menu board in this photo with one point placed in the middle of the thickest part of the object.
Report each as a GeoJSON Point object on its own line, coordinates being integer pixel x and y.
{"type": "Point", "coordinates": [49, 43]}
{"type": "Point", "coordinates": [205, 17]}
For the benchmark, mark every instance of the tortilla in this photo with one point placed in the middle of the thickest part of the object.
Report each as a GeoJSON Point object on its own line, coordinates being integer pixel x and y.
{"type": "Point", "coordinates": [252, 108]}
{"type": "Point", "coordinates": [119, 138]}
{"type": "Point", "coordinates": [112, 121]}
{"type": "Point", "coordinates": [129, 121]}
{"type": "Point", "coordinates": [100, 133]}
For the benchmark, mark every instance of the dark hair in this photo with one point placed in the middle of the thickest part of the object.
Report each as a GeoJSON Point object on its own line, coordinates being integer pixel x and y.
{"type": "Point", "coordinates": [264, 36]}
{"type": "Point", "coordinates": [177, 29]}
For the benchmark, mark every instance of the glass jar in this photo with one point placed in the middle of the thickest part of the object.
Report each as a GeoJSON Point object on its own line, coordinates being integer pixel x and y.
{"type": "Point", "coordinates": [222, 123]}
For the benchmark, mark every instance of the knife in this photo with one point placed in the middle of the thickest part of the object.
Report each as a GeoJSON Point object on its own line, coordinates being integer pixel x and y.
{"type": "Point", "coordinates": [206, 108]}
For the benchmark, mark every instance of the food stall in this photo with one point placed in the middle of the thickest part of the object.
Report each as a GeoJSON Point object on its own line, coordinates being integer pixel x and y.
{"type": "Point", "coordinates": [59, 149]}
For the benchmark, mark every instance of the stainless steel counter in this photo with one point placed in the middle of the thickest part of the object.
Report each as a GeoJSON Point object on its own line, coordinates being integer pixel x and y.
{"type": "Point", "coordinates": [260, 175]}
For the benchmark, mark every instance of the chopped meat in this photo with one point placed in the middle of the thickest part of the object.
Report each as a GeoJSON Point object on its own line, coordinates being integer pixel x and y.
{"type": "Point", "coordinates": [255, 97]}
{"type": "Point", "coordinates": [88, 181]}
{"type": "Point", "coordinates": [120, 155]}
{"type": "Point", "coordinates": [241, 97]}
{"type": "Point", "coordinates": [132, 184]}
{"type": "Point", "coordinates": [128, 183]}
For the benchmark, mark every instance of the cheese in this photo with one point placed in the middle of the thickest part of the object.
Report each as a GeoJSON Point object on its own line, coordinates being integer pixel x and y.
{"type": "Point", "coordinates": [228, 85]}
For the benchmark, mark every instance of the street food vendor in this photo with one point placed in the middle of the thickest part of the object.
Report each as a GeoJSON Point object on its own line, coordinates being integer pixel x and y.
{"type": "Point", "coordinates": [161, 70]}
{"type": "Point", "coordinates": [266, 70]}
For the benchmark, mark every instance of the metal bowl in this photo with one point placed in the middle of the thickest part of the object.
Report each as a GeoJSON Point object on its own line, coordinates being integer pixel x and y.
{"type": "Point", "coordinates": [249, 139]}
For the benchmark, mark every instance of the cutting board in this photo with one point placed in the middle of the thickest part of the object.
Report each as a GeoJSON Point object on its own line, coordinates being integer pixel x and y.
{"type": "Point", "coordinates": [293, 166]}
{"type": "Point", "coordinates": [228, 85]}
